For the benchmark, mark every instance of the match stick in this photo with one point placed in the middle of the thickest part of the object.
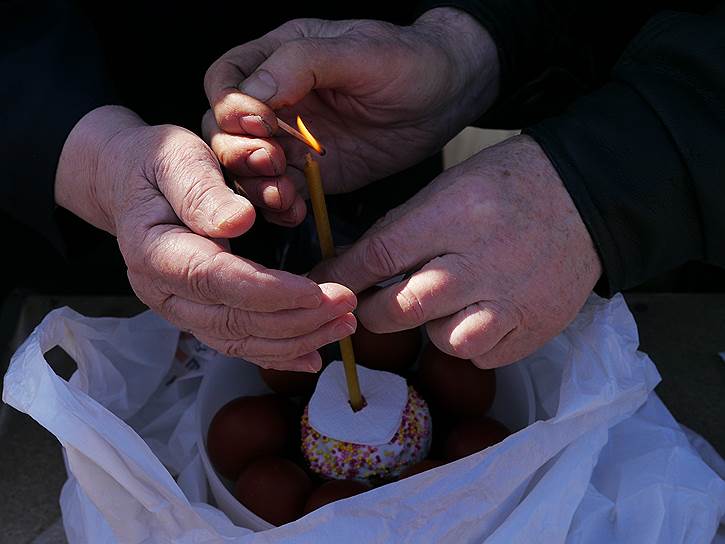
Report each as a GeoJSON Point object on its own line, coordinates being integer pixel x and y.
{"type": "Point", "coordinates": [297, 134]}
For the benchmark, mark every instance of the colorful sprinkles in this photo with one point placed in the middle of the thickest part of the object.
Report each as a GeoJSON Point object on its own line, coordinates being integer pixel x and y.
{"type": "Point", "coordinates": [347, 461]}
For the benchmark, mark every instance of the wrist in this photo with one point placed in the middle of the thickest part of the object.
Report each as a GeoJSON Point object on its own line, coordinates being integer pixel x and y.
{"type": "Point", "coordinates": [474, 75]}
{"type": "Point", "coordinates": [550, 204]}
{"type": "Point", "coordinates": [84, 184]}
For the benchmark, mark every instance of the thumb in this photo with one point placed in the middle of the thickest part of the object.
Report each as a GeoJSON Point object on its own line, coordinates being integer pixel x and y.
{"type": "Point", "coordinates": [282, 67]}
{"type": "Point", "coordinates": [383, 253]}
{"type": "Point", "coordinates": [303, 64]}
{"type": "Point", "coordinates": [189, 177]}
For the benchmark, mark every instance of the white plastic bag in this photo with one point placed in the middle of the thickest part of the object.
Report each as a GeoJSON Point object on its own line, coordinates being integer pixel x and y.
{"type": "Point", "coordinates": [605, 462]}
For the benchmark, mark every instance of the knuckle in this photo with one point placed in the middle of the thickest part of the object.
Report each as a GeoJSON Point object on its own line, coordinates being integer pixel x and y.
{"type": "Point", "coordinates": [198, 278]}
{"type": "Point", "coordinates": [299, 350]}
{"type": "Point", "coordinates": [295, 27]}
{"type": "Point", "coordinates": [233, 323]}
{"type": "Point", "coordinates": [180, 154]}
{"type": "Point", "coordinates": [501, 313]}
{"type": "Point", "coordinates": [233, 155]}
{"type": "Point", "coordinates": [378, 258]}
{"type": "Point", "coordinates": [166, 161]}
{"type": "Point", "coordinates": [236, 348]}
{"type": "Point", "coordinates": [295, 49]}
{"type": "Point", "coordinates": [195, 198]}
{"type": "Point", "coordinates": [441, 334]}
{"type": "Point", "coordinates": [165, 306]}
{"type": "Point", "coordinates": [463, 348]}
{"type": "Point", "coordinates": [410, 309]}
{"type": "Point", "coordinates": [292, 349]}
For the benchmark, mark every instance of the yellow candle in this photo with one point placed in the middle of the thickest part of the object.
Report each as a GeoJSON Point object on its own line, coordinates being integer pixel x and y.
{"type": "Point", "coordinates": [319, 208]}
{"type": "Point", "coordinates": [324, 233]}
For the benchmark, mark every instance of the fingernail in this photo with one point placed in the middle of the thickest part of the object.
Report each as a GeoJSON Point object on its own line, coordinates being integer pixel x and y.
{"type": "Point", "coordinates": [260, 161]}
{"type": "Point", "coordinates": [271, 197]}
{"type": "Point", "coordinates": [255, 125]}
{"type": "Point", "coordinates": [230, 214]}
{"type": "Point", "coordinates": [308, 301]}
{"type": "Point", "coordinates": [260, 85]}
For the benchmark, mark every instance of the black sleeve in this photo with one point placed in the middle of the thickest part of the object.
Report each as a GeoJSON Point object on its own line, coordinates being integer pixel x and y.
{"type": "Point", "coordinates": [644, 156]}
{"type": "Point", "coordinates": [52, 74]}
{"type": "Point", "coordinates": [552, 51]}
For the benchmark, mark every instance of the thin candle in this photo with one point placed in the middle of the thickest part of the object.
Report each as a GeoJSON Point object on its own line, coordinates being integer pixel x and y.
{"type": "Point", "coordinates": [319, 207]}
{"type": "Point", "coordinates": [324, 232]}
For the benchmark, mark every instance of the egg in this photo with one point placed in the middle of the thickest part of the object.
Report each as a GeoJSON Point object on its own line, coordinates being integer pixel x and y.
{"type": "Point", "coordinates": [472, 435]}
{"type": "Point", "coordinates": [454, 385]}
{"type": "Point", "coordinates": [425, 464]}
{"type": "Point", "coordinates": [274, 488]}
{"type": "Point", "coordinates": [249, 427]}
{"type": "Point", "coordinates": [393, 352]}
{"type": "Point", "coordinates": [289, 382]}
{"type": "Point", "coordinates": [332, 491]}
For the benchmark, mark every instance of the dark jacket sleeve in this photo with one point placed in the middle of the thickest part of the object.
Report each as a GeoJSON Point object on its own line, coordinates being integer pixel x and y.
{"type": "Point", "coordinates": [52, 74]}
{"type": "Point", "coordinates": [643, 157]}
{"type": "Point", "coordinates": [643, 153]}
{"type": "Point", "coordinates": [552, 51]}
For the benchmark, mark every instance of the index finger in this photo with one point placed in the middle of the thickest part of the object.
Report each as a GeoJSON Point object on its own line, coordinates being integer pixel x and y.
{"type": "Point", "coordinates": [235, 112]}
{"type": "Point", "coordinates": [196, 268]}
{"type": "Point", "coordinates": [436, 290]}
{"type": "Point", "coordinates": [401, 245]}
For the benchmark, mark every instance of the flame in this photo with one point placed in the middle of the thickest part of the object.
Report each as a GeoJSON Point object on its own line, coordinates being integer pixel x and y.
{"type": "Point", "coordinates": [313, 143]}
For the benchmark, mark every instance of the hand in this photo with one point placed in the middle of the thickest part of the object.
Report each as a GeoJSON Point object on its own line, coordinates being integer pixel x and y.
{"type": "Point", "coordinates": [380, 97]}
{"type": "Point", "coordinates": [161, 192]}
{"type": "Point", "coordinates": [506, 260]}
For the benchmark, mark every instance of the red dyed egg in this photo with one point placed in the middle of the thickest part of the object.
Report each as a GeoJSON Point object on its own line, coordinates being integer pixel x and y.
{"type": "Point", "coordinates": [454, 385]}
{"type": "Point", "coordinates": [247, 428]}
{"type": "Point", "coordinates": [393, 352]}
{"type": "Point", "coordinates": [473, 435]}
{"type": "Point", "coordinates": [422, 466]}
{"type": "Point", "coordinates": [332, 491]}
{"type": "Point", "coordinates": [274, 488]}
{"type": "Point", "coordinates": [289, 382]}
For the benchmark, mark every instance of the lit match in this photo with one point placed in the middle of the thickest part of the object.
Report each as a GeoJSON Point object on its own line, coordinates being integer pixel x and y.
{"type": "Point", "coordinates": [303, 135]}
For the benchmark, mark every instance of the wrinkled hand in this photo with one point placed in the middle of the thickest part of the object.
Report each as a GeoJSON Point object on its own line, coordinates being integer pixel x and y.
{"type": "Point", "coordinates": [506, 260]}
{"type": "Point", "coordinates": [380, 97]}
{"type": "Point", "coordinates": [161, 192]}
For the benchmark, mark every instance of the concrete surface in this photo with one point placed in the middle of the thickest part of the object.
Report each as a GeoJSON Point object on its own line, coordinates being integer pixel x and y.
{"type": "Point", "coordinates": [682, 333]}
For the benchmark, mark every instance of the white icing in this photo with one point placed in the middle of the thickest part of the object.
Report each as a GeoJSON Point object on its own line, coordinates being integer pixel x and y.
{"type": "Point", "coordinates": [331, 415]}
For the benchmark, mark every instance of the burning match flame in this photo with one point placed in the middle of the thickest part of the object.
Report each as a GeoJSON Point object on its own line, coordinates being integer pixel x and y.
{"type": "Point", "coordinates": [309, 138]}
